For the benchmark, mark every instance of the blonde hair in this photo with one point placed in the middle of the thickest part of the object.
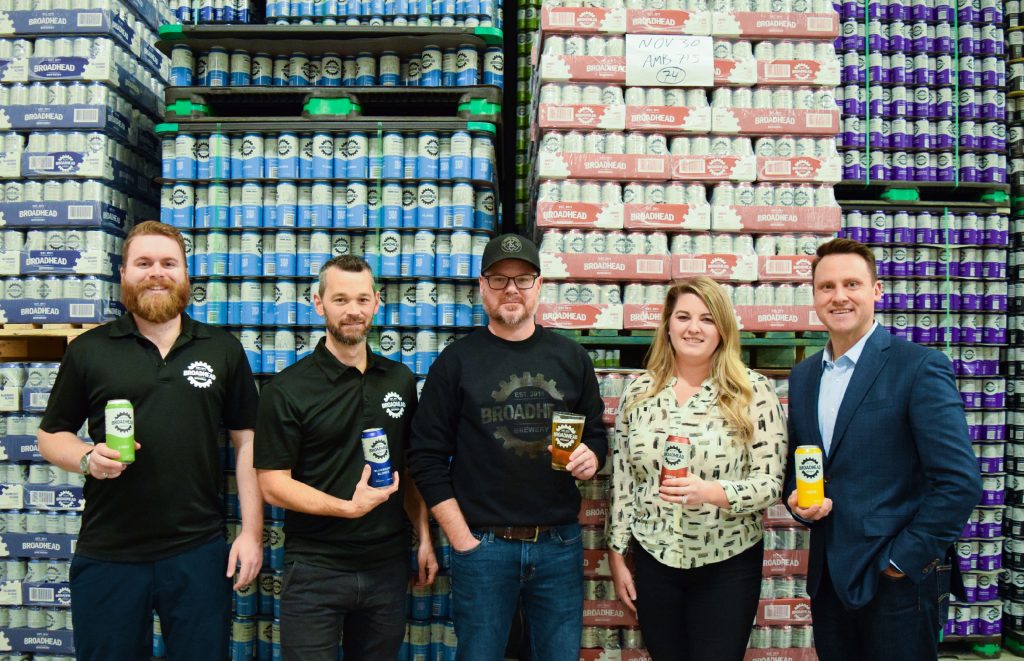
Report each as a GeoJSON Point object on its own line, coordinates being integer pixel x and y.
{"type": "Point", "coordinates": [727, 369]}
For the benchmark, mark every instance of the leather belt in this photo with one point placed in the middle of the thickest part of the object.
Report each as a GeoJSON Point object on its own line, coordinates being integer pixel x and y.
{"type": "Point", "coordinates": [517, 533]}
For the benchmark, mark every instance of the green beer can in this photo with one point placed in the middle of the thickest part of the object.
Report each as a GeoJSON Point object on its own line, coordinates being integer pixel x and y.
{"type": "Point", "coordinates": [120, 418]}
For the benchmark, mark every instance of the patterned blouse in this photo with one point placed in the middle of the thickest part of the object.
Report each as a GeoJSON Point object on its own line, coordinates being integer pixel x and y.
{"type": "Point", "coordinates": [751, 473]}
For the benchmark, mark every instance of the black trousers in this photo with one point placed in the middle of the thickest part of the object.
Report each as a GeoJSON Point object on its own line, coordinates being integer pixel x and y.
{"type": "Point", "coordinates": [318, 605]}
{"type": "Point", "coordinates": [699, 614]}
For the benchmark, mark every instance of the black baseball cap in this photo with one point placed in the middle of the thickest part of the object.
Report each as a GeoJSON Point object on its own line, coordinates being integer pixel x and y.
{"type": "Point", "coordinates": [510, 246]}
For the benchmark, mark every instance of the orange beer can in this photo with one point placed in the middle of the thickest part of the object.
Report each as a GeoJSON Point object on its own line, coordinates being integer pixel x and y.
{"type": "Point", "coordinates": [810, 471]}
{"type": "Point", "coordinates": [675, 461]}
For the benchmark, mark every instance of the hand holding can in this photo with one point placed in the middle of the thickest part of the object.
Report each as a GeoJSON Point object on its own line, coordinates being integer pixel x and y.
{"type": "Point", "coordinates": [676, 458]}
{"type": "Point", "coordinates": [810, 487]}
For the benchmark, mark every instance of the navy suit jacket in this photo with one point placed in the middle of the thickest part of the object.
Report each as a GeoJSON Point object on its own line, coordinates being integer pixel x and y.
{"type": "Point", "coordinates": [901, 472]}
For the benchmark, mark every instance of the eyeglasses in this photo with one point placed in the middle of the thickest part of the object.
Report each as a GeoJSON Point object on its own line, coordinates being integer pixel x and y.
{"type": "Point", "coordinates": [500, 282]}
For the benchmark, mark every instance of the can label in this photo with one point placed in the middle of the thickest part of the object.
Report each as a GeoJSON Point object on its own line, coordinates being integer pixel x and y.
{"type": "Point", "coordinates": [120, 428]}
{"type": "Point", "coordinates": [676, 460]}
{"type": "Point", "coordinates": [377, 456]}
{"type": "Point", "coordinates": [810, 487]}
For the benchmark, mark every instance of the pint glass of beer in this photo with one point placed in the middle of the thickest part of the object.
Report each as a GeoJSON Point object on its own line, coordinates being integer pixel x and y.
{"type": "Point", "coordinates": [566, 434]}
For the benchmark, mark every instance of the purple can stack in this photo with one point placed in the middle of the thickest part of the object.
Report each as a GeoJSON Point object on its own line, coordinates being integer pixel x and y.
{"type": "Point", "coordinates": [923, 95]}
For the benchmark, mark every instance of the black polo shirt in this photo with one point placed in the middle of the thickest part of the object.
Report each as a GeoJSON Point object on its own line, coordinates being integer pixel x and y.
{"type": "Point", "coordinates": [310, 421]}
{"type": "Point", "coordinates": [169, 500]}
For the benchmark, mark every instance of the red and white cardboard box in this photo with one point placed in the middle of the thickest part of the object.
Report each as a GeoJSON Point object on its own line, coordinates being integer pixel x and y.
{"type": "Point", "coordinates": [784, 268]}
{"type": "Point", "coordinates": [776, 654]}
{"type": "Point", "coordinates": [580, 315]}
{"type": "Point", "coordinates": [581, 116]}
{"type": "Point", "coordinates": [720, 267]}
{"type": "Point", "coordinates": [735, 72]}
{"type": "Point", "coordinates": [666, 217]}
{"type": "Point", "coordinates": [619, 167]}
{"type": "Point", "coordinates": [582, 20]}
{"type": "Point", "coordinates": [611, 411]}
{"type": "Point", "coordinates": [593, 512]}
{"type": "Point", "coordinates": [595, 563]}
{"type": "Point", "coordinates": [599, 654]}
{"type": "Point", "coordinates": [667, 21]}
{"type": "Point", "coordinates": [713, 168]}
{"type": "Point", "coordinates": [775, 24]}
{"type": "Point", "coordinates": [798, 72]}
{"type": "Point", "coordinates": [607, 614]}
{"type": "Point", "coordinates": [774, 121]}
{"type": "Point", "coordinates": [778, 562]}
{"type": "Point", "coordinates": [777, 516]}
{"type": "Point", "coordinates": [778, 318]}
{"type": "Point", "coordinates": [575, 266]}
{"type": "Point", "coordinates": [668, 119]}
{"type": "Point", "coordinates": [641, 316]}
{"type": "Point", "coordinates": [766, 220]}
{"type": "Point", "coordinates": [580, 214]}
{"type": "Point", "coordinates": [778, 612]}
{"type": "Point", "coordinates": [583, 68]}
{"type": "Point", "coordinates": [799, 169]}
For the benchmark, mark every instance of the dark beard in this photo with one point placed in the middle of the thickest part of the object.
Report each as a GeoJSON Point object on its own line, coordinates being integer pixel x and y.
{"type": "Point", "coordinates": [348, 340]}
{"type": "Point", "coordinates": [156, 309]}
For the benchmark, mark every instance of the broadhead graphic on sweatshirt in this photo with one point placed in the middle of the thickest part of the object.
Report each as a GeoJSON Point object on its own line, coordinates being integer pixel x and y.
{"type": "Point", "coordinates": [520, 416]}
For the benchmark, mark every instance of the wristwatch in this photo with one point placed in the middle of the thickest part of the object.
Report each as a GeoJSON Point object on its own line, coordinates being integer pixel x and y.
{"type": "Point", "coordinates": [84, 464]}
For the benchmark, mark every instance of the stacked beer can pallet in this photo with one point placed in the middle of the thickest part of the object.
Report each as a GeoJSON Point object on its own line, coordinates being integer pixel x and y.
{"type": "Point", "coordinates": [943, 267]}
{"type": "Point", "coordinates": [40, 517]}
{"type": "Point", "coordinates": [1012, 579]}
{"type": "Point", "coordinates": [628, 181]}
{"type": "Point", "coordinates": [79, 90]}
{"type": "Point", "coordinates": [289, 147]}
{"type": "Point", "coordinates": [923, 93]}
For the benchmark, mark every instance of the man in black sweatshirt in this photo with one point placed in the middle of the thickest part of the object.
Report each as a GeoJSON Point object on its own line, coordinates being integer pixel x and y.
{"type": "Point", "coordinates": [480, 457]}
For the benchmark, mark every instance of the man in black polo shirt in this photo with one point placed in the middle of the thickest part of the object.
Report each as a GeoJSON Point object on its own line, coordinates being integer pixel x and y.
{"type": "Point", "coordinates": [480, 456]}
{"type": "Point", "coordinates": [346, 543]}
{"type": "Point", "coordinates": [153, 530]}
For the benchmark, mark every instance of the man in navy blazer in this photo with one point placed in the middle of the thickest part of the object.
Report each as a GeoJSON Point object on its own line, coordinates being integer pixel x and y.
{"type": "Point", "coordinates": [900, 476]}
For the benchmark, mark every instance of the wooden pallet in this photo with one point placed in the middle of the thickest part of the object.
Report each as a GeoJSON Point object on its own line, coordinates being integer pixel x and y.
{"type": "Point", "coordinates": [34, 342]}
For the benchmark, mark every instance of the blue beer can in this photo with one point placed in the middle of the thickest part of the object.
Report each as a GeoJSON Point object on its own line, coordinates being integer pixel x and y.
{"type": "Point", "coordinates": [378, 456]}
{"type": "Point", "coordinates": [428, 152]}
{"type": "Point", "coordinates": [262, 69]}
{"type": "Point", "coordinates": [409, 206]}
{"type": "Point", "coordinates": [251, 206]}
{"type": "Point", "coordinates": [427, 207]}
{"type": "Point", "coordinates": [390, 253]}
{"type": "Point", "coordinates": [252, 155]}
{"type": "Point", "coordinates": [430, 67]}
{"type": "Point", "coordinates": [407, 303]}
{"type": "Point", "coordinates": [339, 205]}
{"type": "Point", "coordinates": [494, 67]}
{"type": "Point", "coordinates": [251, 254]}
{"type": "Point", "coordinates": [391, 205]}
{"type": "Point", "coordinates": [288, 156]}
{"type": "Point", "coordinates": [485, 211]}
{"type": "Point", "coordinates": [306, 156]}
{"type": "Point", "coordinates": [467, 66]}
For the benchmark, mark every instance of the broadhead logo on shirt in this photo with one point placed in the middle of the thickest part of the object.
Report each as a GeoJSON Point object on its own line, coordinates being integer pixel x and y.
{"type": "Point", "coordinates": [200, 374]}
{"type": "Point", "coordinates": [393, 404]}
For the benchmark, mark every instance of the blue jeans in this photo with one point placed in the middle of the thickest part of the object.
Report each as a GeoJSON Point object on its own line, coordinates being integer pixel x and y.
{"type": "Point", "coordinates": [544, 577]}
{"type": "Point", "coordinates": [112, 606]}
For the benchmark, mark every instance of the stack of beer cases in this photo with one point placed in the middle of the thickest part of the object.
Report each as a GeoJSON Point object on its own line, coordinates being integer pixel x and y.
{"type": "Point", "coordinates": [628, 181]}
{"type": "Point", "coordinates": [1012, 578]}
{"type": "Point", "coordinates": [79, 91]}
{"type": "Point", "coordinates": [527, 35]}
{"type": "Point", "coordinates": [40, 517]}
{"type": "Point", "coordinates": [265, 202]}
{"type": "Point", "coordinates": [923, 96]}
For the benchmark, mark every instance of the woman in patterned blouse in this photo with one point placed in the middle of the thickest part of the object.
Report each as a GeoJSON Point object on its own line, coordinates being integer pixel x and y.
{"type": "Point", "coordinates": [696, 540]}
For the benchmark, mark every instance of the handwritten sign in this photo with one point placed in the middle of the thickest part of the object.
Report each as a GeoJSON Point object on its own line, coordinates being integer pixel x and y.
{"type": "Point", "coordinates": [669, 61]}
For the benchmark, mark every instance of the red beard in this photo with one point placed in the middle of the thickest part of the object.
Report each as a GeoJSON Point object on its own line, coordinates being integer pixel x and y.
{"type": "Point", "coordinates": [156, 307]}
